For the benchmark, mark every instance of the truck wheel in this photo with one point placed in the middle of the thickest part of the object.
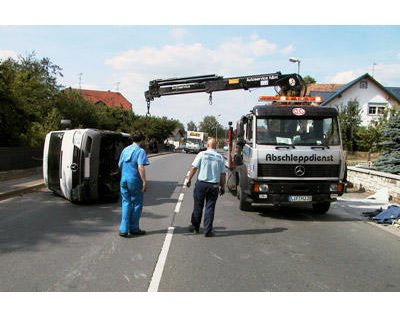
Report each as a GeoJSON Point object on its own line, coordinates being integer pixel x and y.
{"type": "Point", "coordinates": [322, 207]}
{"type": "Point", "coordinates": [243, 204]}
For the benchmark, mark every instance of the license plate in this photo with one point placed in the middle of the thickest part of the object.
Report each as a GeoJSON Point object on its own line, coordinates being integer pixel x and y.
{"type": "Point", "coordinates": [300, 198]}
{"type": "Point", "coordinates": [263, 196]}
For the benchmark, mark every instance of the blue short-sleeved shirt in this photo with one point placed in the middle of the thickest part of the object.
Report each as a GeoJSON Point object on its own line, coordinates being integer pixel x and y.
{"type": "Point", "coordinates": [131, 157]}
{"type": "Point", "coordinates": [210, 165]}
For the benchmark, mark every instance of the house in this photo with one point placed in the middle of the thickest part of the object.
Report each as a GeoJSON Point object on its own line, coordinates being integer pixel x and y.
{"type": "Point", "coordinates": [176, 138]}
{"type": "Point", "coordinates": [371, 95]}
{"type": "Point", "coordinates": [111, 99]}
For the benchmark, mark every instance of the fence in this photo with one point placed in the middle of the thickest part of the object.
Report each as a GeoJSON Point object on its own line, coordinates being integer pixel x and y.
{"type": "Point", "coordinates": [15, 158]}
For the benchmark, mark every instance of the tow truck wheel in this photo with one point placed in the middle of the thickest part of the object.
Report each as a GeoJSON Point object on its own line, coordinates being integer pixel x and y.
{"type": "Point", "coordinates": [243, 204]}
{"type": "Point", "coordinates": [322, 207]}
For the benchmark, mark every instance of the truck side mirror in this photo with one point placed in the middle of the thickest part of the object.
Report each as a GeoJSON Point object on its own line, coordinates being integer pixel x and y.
{"type": "Point", "coordinates": [240, 129]}
{"type": "Point", "coordinates": [65, 124]}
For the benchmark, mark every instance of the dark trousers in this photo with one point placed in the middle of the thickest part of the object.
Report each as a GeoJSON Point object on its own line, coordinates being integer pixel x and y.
{"type": "Point", "coordinates": [209, 193]}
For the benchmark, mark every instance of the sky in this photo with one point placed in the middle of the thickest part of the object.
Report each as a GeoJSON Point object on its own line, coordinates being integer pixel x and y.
{"type": "Point", "coordinates": [126, 57]}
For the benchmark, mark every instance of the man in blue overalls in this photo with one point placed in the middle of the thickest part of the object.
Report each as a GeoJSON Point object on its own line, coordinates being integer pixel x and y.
{"type": "Point", "coordinates": [133, 184]}
{"type": "Point", "coordinates": [210, 182]}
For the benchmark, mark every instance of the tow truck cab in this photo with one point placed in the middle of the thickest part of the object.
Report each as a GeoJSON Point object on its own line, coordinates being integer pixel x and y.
{"type": "Point", "coordinates": [288, 153]}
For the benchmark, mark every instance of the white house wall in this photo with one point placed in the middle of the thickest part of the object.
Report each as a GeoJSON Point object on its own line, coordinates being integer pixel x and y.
{"type": "Point", "coordinates": [372, 94]}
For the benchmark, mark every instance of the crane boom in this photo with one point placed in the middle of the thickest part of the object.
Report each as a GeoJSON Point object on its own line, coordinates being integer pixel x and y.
{"type": "Point", "coordinates": [211, 83]}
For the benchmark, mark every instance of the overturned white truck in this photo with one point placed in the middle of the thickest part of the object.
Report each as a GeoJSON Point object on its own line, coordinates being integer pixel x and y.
{"type": "Point", "coordinates": [82, 164]}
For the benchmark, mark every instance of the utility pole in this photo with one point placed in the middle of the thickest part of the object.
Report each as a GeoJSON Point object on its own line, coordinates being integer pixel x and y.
{"type": "Point", "coordinates": [80, 80]}
{"type": "Point", "coordinates": [216, 130]}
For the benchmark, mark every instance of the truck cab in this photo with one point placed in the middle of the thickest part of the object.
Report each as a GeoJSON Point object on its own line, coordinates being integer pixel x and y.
{"type": "Point", "coordinates": [288, 153]}
{"type": "Point", "coordinates": [196, 142]}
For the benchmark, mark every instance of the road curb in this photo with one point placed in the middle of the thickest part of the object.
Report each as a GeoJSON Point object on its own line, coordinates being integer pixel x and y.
{"type": "Point", "coordinates": [20, 173]}
{"type": "Point", "coordinates": [160, 154]}
{"type": "Point", "coordinates": [29, 189]}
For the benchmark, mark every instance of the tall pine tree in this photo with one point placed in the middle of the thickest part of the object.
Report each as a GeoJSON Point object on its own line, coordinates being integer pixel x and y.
{"type": "Point", "coordinates": [389, 161]}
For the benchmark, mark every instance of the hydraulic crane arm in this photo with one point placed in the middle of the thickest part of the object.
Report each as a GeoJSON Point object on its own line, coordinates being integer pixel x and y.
{"type": "Point", "coordinates": [211, 83]}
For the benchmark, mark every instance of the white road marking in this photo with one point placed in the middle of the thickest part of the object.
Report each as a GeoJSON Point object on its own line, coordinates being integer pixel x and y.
{"type": "Point", "coordinates": [178, 205]}
{"type": "Point", "coordinates": [162, 258]}
{"type": "Point", "coordinates": [155, 280]}
{"type": "Point", "coordinates": [219, 258]}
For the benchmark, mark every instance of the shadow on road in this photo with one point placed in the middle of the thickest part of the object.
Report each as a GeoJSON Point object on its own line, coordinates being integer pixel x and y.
{"type": "Point", "coordinates": [220, 231]}
{"type": "Point", "coordinates": [292, 213]}
{"type": "Point", "coordinates": [160, 192]}
{"type": "Point", "coordinates": [32, 221]}
{"type": "Point", "coordinates": [351, 211]}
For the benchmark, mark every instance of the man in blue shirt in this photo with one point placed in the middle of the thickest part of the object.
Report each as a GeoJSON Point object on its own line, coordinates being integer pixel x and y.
{"type": "Point", "coordinates": [133, 184]}
{"type": "Point", "coordinates": [210, 181]}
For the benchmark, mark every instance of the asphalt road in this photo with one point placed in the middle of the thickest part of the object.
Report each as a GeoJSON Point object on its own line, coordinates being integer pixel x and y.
{"type": "Point", "coordinates": [50, 244]}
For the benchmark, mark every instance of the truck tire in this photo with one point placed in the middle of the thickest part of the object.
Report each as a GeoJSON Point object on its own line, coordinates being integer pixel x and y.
{"type": "Point", "coordinates": [321, 208]}
{"type": "Point", "coordinates": [243, 204]}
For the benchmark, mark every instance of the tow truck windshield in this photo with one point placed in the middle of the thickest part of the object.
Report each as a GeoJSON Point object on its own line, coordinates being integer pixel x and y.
{"type": "Point", "coordinates": [297, 132]}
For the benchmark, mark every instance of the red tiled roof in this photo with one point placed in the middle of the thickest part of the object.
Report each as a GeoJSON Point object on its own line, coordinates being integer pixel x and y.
{"type": "Point", "coordinates": [326, 87]}
{"type": "Point", "coordinates": [111, 99]}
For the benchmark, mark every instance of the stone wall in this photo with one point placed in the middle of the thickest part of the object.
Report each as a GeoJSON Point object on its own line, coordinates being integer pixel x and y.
{"type": "Point", "coordinates": [372, 180]}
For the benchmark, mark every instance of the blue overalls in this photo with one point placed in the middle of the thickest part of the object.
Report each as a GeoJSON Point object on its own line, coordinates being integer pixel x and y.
{"type": "Point", "coordinates": [131, 187]}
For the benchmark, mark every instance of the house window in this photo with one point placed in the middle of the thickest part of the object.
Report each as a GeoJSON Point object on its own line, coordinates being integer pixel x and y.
{"type": "Point", "coordinates": [363, 84]}
{"type": "Point", "coordinates": [376, 108]}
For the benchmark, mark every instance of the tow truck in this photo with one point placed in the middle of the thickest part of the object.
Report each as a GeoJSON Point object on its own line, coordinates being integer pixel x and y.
{"type": "Point", "coordinates": [288, 151]}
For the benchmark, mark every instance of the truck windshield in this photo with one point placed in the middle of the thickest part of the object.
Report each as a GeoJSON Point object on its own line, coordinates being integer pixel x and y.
{"type": "Point", "coordinates": [298, 132]}
{"type": "Point", "coordinates": [194, 140]}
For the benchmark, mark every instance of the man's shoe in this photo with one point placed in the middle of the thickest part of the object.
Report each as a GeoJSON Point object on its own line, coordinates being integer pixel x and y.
{"type": "Point", "coordinates": [138, 232]}
{"type": "Point", "coordinates": [123, 234]}
{"type": "Point", "coordinates": [209, 234]}
{"type": "Point", "coordinates": [193, 229]}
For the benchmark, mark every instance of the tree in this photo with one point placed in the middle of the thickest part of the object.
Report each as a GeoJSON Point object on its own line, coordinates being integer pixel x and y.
{"type": "Point", "coordinates": [309, 79]}
{"type": "Point", "coordinates": [210, 125]}
{"type": "Point", "coordinates": [28, 87]}
{"type": "Point", "coordinates": [389, 161]}
{"type": "Point", "coordinates": [159, 128]}
{"type": "Point", "coordinates": [349, 119]}
{"type": "Point", "coordinates": [370, 138]}
{"type": "Point", "coordinates": [191, 126]}
{"type": "Point", "coordinates": [32, 104]}
{"type": "Point", "coordinates": [38, 130]}
{"type": "Point", "coordinates": [12, 121]}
